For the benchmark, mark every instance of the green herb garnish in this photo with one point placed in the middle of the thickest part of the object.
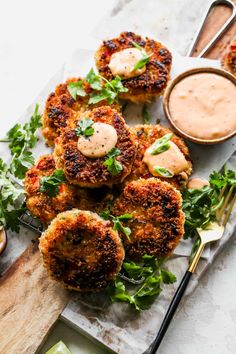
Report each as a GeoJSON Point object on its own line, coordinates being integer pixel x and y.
{"type": "Point", "coordinates": [161, 145]}
{"type": "Point", "coordinates": [104, 89]}
{"type": "Point", "coordinates": [20, 140]}
{"type": "Point", "coordinates": [76, 89]}
{"type": "Point", "coordinates": [85, 127]}
{"type": "Point", "coordinates": [200, 205]}
{"type": "Point", "coordinates": [50, 184]}
{"type": "Point", "coordinates": [117, 222]}
{"type": "Point", "coordinates": [151, 276]}
{"type": "Point", "coordinates": [111, 163]}
{"type": "Point", "coordinates": [163, 172]}
{"type": "Point", "coordinates": [59, 348]}
{"type": "Point", "coordinates": [145, 57]}
{"type": "Point", "coordinates": [145, 114]}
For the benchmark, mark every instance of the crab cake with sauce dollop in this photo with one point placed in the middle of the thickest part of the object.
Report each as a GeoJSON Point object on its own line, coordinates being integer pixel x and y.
{"type": "Point", "coordinates": [171, 156]}
{"type": "Point", "coordinates": [61, 108]}
{"type": "Point", "coordinates": [41, 204]}
{"type": "Point", "coordinates": [99, 150]}
{"type": "Point", "coordinates": [228, 61]}
{"type": "Point", "coordinates": [81, 251]}
{"type": "Point", "coordinates": [157, 222]}
{"type": "Point", "coordinates": [125, 56]}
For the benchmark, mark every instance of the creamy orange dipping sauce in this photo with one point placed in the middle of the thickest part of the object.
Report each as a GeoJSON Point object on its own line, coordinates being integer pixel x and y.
{"type": "Point", "coordinates": [100, 143]}
{"type": "Point", "coordinates": [172, 159]}
{"type": "Point", "coordinates": [197, 183]}
{"type": "Point", "coordinates": [123, 62]}
{"type": "Point", "coordinates": [204, 106]}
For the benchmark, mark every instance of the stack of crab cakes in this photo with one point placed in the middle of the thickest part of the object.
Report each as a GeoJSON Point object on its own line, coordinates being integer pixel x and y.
{"type": "Point", "coordinates": [100, 164]}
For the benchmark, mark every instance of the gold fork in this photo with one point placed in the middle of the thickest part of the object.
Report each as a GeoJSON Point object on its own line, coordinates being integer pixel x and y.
{"type": "Point", "coordinates": [213, 232]}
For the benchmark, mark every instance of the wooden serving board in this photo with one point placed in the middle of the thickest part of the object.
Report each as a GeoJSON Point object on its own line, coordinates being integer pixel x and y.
{"type": "Point", "coordinates": [30, 303]}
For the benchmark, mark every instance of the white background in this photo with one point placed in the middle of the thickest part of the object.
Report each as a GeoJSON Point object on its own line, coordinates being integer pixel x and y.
{"type": "Point", "coordinates": [35, 39]}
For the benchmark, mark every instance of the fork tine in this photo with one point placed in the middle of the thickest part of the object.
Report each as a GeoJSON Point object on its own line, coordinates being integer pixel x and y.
{"type": "Point", "coordinates": [230, 208]}
{"type": "Point", "coordinates": [225, 204]}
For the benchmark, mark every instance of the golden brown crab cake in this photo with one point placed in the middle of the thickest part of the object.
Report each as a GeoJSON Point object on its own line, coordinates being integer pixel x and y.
{"type": "Point", "coordinates": [41, 204]}
{"type": "Point", "coordinates": [118, 56]}
{"type": "Point", "coordinates": [145, 136]}
{"type": "Point", "coordinates": [157, 224]}
{"type": "Point", "coordinates": [62, 109]}
{"type": "Point", "coordinates": [84, 159]}
{"type": "Point", "coordinates": [81, 251]}
{"type": "Point", "coordinates": [228, 61]}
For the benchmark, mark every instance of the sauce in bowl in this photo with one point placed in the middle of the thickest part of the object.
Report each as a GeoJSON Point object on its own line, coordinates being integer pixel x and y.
{"type": "Point", "coordinates": [202, 105]}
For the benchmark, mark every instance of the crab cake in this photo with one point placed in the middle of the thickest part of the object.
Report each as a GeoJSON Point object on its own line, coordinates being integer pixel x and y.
{"type": "Point", "coordinates": [81, 250]}
{"type": "Point", "coordinates": [62, 109]}
{"type": "Point", "coordinates": [41, 204]}
{"type": "Point", "coordinates": [145, 136]}
{"type": "Point", "coordinates": [99, 150]}
{"type": "Point", "coordinates": [158, 221]}
{"type": "Point", "coordinates": [229, 59]}
{"type": "Point", "coordinates": [119, 56]}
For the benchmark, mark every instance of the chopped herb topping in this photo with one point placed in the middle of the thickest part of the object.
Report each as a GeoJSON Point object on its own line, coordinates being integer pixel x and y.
{"type": "Point", "coordinates": [145, 114]}
{"type": "Point", "coordinates": [76, 89]}
{"type": "Point", "coordinates": [50, 184]}
{"type": "Point", "coordinates": [85, 127]}
{"type": "Point", "coordinates": [163, 172]}
{"type": "Point", "coordinates": [112, 164]}
{"type": "Point", "coordinates": [161, 145]}
{"type": "Point", "coordinates": [145, 57]}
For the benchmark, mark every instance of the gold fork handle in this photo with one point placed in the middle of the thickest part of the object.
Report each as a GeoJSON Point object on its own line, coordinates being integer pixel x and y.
{"type": "Point", "coordinates": [196, 258]}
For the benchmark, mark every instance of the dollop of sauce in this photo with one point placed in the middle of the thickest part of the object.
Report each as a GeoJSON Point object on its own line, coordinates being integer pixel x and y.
{"type": "Point", "coordinates": [123, 62]}
{"type": "Point", "coordinates": [172, 159]}
{"type": "Point", "coordinates": [197, 183]}
{"type": "Point", "coordinates": [204, 105]}
{"type": "Point", "coordinates": [100, 143]}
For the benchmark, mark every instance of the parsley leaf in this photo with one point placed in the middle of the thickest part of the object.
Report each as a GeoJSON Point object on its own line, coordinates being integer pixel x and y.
{"type": "Point", "coordinates": [104, 89]}
{"type": "Point", "coordinates": [50, 184]}
{"type": "Point", "coordinates": [76, 89]}
{"type": "Point", "coordinates": [117, 222]}
{"type": "Point", "coordinates": [145, 114]}
{"type": "Point", "coordinates": [145, 57]}
{"type": "Point", "coordinates": [85, 127]}
{"type": "Point", "coordinates": [151, 276]}
{"type": "Point", "coordinates": [111, 163]}
{"type": "Point", "coordinates": [20, 140]}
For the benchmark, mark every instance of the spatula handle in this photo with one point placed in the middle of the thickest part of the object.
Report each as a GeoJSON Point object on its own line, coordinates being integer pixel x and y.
{"type": "Point", "coordinates": [171, 311]}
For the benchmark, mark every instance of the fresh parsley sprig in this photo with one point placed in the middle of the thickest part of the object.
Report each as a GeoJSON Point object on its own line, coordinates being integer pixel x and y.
{"type": "Point", "coordinates": [85, 127]}
{"type": "Point", "coordinates": [50, 184]}
{"type": "Point", "coordinates": [145, 57]}
{"type": "Point", "coordinates": [11, 199]}
{"type": "Point", "coordinates": [20, 140]}
{"type": "Point", "coordinates": [76, 89]}
{"type": "Point", "coordinates": [118, 222]}
{"type": "Point", "coordinates": [152, 276]}
{"type": "Point", "coordinates": [200, 205]}
{"type": "Point", "coordinates": [112, 164]}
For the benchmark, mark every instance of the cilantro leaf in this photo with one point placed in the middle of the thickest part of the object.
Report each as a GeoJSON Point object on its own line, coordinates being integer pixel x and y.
{"type": "Point", "coordinates": [145, 114]}
{"type": "Point", "coordinates": [94, 80]}
{"type": "Point", "coordinates": [76, 89]}
{"type": "Point", "coordinates": [50, 184]}
{"type": "Point", "coordinates": [150, 275]}
{"type": "Point", "coordinates": [85, 127]}
{"type": "Point", "coordinates": [111, 163]}
{"type": "Point", "coordinates": [117, 225]}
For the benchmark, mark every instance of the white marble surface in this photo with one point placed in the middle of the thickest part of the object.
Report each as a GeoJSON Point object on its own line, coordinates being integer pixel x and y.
{"type": "Point", "coordinates": [38, 36]}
